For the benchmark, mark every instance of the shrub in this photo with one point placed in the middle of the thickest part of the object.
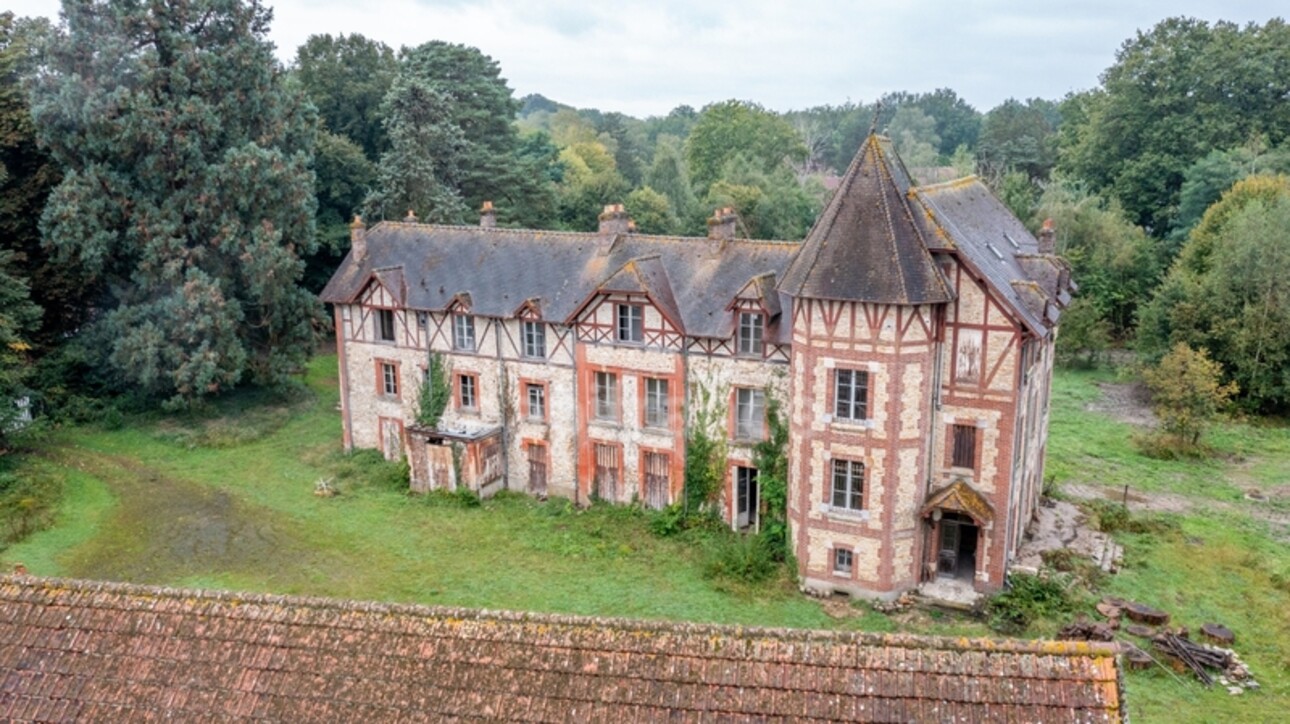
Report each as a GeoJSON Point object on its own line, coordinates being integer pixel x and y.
{"type": "Point", "coordinates": [1027, 599]}
{"type": "Point", "coordinates": [746, 559]}
{"type": "Point", "coordinates": [1187, 394]}
{"type": "Point", "coordinates": [1111, 517]}
{"type": "Point", "coordinates": [27, 503]}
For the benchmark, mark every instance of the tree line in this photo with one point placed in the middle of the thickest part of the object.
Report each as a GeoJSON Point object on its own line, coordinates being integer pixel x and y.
{"type": "Point", "coordinates": [173, 196]}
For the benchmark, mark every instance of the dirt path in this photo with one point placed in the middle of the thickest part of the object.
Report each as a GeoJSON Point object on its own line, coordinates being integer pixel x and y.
{"type": "Point", "coordinates": [164, 529]}
{"type": "Point", "coordinates": [1158, 502]}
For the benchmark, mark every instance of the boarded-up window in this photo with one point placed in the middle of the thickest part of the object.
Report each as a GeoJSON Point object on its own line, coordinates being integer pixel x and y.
{"type": "Point", "coordinates": [490, 461]}
{"type": "Point", "coordinates": [537, 468]}
{"type": "Point", "coordinates": [657, 479]}
{"type": "Point", "coordinates": [964, 446]}
{"type": "Point", "coordinates": [608, 470]}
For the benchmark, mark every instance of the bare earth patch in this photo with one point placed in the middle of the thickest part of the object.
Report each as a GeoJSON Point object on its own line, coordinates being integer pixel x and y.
{"type": "Point", "coordinates": [1124, 402]}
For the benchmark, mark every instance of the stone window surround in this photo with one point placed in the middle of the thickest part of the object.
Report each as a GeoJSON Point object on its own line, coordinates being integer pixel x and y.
{"type": "Point", "coordinates": [735, 406]}
{"type": "Point", "coordinates": [848, 515]}
{"type": "Point", "coordinates": [609, 382]}
{"type": "Point", "coordinates": [868, 423]}
{"type": "Point", "coordinates": [836, 567]}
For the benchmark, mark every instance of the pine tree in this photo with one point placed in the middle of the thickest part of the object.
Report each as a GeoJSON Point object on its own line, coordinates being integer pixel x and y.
{"type": "Point", "coordinates": [187, 190]}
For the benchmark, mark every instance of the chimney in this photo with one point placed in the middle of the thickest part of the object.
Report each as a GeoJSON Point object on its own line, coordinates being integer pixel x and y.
{"type": "Point", "coordinates": [614, 220]}
{"type": "Point", "coordinates": [1048, 238]}
{"type": "Point", "coordinates": [358, 237]}
{"type": "Point", "coordinates": [487, 216]}
{"type": "Point", "coordinates": [411, 218]}
{"type": "Point", "coordinates": [722, 224]}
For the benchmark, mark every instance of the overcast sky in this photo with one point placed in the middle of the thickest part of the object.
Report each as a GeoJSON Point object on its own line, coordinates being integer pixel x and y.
{"type": "Point", "coordinates": [644, 57]}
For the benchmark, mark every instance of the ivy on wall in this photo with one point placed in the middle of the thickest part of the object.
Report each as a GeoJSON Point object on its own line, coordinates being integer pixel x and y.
{"type": "Point", "coordinates": [435, 393]}
{"type": "Point", "coordinates": [770, 457]}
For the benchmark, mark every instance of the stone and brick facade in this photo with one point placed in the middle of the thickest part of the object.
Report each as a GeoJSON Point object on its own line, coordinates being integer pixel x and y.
{"type": "Point", "coordinates": [908, 340]}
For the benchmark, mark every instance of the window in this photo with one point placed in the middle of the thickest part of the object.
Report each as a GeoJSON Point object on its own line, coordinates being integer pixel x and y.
{"type": "Point", "coordinates": [536, 397]}
{"type": "Point", "coordinates": [534, 339]}
{"type": "Point", "coordinates": [608, 467]}
{"type": "Point", "coordinates": [537, 468]}
{"type": "Point", "coordinates": [656, 403]}
{"type": "Point", "coordinates": [389, 379]}
{"type": "Point", "coordinates": [964, 454]}
{"type": "Point", "coordinates": [750, 414]}
{"type": "Point", "coordinates": [848, 485]}
{"type": "Point", "coordinates": [463, 332]}
{"type": "Point", "coordinates": [423, 319]}
{"type": "Point", "coordinates": [751, 331]}
{"type": "Point", "coordinates": [842, 561]}
{"type": "Point", "coordinates": [385, 325]}
{"type": "Point", "coordinates": [658, 479]}
{"type": "Point", "coordinates": [467, 394]}
{"type": "Point", "coordinates": [630, 324]}
{"type": "Point", "coordinates": [850, 395]}
{"type": "Point", "coordinates": [606, 396]}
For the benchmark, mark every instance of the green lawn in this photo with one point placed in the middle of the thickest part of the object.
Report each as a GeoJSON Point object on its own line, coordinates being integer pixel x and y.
{"type": "Point", "coordinates": [227, 501]}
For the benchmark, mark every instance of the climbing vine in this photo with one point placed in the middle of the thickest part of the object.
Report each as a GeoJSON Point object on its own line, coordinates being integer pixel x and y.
{"type": "Point", "coordinates": [705, 451]}
{"type": "Point", "coordinates": [435, 393]}
{"type": "Point", "coordinates": [770, 457]}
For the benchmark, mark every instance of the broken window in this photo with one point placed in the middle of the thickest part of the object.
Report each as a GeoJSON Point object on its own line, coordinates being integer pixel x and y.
{"type": "Point", "coordinates": [606, 396]}
{"type": "Point", "coordinates": [385, 325]}
{"type": "Point", "coordinates": [750, 413]}
{"type": "Point", "coordinates": [537, 401]}
{"type": "Point", "coordinates": [467, 398]}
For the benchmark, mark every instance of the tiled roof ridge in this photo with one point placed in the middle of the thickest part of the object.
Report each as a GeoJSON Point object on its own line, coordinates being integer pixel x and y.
{"type": "Point", "coordinates": [734, 631]}
{"type": "Point", "coordinates": [959, 182]}
{"type": "Point", "coordinates": [576, 234]}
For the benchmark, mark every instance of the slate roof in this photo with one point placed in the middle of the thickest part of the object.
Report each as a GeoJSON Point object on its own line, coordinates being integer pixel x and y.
{"type": "Point", "coordinates": [74, 650]}
{"type": "Point", "coordinates": [966, 218]}
{"type": "Point", "coordinates": [501, 268]}
{"type": "Point", "coordinates": [867, 246]}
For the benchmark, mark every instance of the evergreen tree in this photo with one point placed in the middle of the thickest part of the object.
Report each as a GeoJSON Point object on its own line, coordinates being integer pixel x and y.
{"type": "Point", "coordinates": [420, 171]}
{"type": "Point", "coordinates": [347, 78]}
{"type": "Point", "coordinates": [187, 191]}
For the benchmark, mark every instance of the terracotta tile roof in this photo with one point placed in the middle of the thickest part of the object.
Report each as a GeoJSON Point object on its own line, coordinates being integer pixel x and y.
{"type": "Point", "coordinates": [867, 246]}
{"type": "Point", "coordinates": [107, 651]}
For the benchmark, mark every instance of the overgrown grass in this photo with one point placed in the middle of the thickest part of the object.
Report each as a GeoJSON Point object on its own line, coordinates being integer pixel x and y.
{"type": "Point", "coordinates": [225, 499]}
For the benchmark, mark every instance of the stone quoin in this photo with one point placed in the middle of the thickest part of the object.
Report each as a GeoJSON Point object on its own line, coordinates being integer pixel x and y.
{"type": "Point", "coordinates": [908, 340]}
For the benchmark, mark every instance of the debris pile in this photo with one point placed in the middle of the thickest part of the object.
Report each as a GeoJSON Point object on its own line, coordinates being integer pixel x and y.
{"type": "Point", "coordinates": [1179, 651]}
{"type": "Point", "coordinates": [900, 604]}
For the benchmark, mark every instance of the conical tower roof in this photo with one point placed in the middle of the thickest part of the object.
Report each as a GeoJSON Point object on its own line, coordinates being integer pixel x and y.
{"type": "Point", "coordinates": [866, 246]}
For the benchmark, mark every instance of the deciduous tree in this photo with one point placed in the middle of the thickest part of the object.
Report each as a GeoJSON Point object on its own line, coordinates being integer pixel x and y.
{"type": "Point", "coordinates": [1187, 392]}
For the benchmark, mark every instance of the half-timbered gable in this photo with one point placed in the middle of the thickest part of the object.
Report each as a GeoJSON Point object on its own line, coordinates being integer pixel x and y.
{"type": "Point", "coordinates": [907, 340]}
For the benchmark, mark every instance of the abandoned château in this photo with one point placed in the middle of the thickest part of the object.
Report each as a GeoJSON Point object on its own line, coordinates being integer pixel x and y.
{"type": "Point", "coordinates": [907, 343]}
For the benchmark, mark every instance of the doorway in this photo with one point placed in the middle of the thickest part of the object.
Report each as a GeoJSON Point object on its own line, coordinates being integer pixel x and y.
{"type": "Point", "coordinates": [956, 552]}
{"type": "Point", "coordinates": [747, 498]}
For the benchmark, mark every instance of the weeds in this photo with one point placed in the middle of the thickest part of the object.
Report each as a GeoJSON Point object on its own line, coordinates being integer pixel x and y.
{"type": "Point", "coordinates": [1029, 598]}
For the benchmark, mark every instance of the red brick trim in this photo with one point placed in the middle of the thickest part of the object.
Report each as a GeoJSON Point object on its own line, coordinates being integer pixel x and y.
{"type": "Point", "coordinates": [378, 364]}
{"type": "Point", "coordinates": [457, 391]}
{"type": "Point", "coordinates": [525, 382]}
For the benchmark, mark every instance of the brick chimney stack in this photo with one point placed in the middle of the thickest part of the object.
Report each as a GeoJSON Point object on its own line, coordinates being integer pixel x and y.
{"type": "Point", "coordinates": [722, 224]}
{"type": "Point", "coordinates": [614, 220]}
{"type": "Point", "coordinates": [358, 237]}
{"type": "Point", "coordinates": [487, 216]}
{"type": "Point", "coordinates": [1048, 238]}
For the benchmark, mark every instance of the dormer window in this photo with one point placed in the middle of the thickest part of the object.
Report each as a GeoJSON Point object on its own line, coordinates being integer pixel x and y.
{"type": "Point", "coordinates": [534, 339]}
{"type": "Point", "coordinates": [752, 332]}
{"type": "Point", "coordinates": [385, 325]}
{"type": "Point", "coordinates": [631, 326]}
{"type": "Point", "coordinates": [463, 332]}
